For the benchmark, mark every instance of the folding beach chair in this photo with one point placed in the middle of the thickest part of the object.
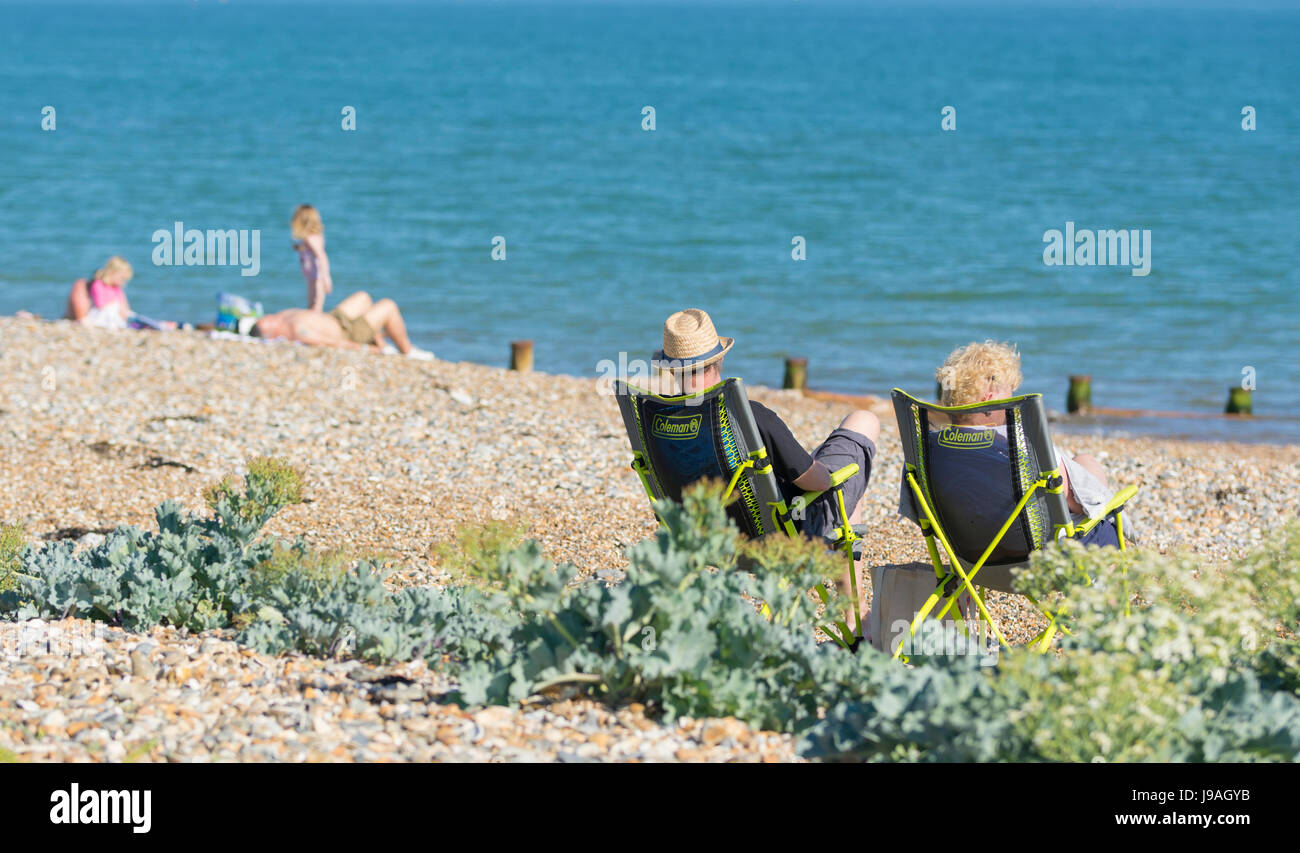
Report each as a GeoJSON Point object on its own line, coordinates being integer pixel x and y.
{"type": "Point", "coordinates": [1036, 501]}
{"type": "Point", "coordinates": [712, 434]}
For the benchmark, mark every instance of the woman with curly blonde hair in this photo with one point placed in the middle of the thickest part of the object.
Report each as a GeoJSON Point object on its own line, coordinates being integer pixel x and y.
{"type": "Point", "coordinates": [101, 300]}
{"type": "Point", "coordinates": [976, 372]}
{"type": "Point", "coordinates": [980, 373]}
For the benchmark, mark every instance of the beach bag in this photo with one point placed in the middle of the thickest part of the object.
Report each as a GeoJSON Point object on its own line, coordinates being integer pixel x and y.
{"type": "Point", "coordinates": [237, 314]}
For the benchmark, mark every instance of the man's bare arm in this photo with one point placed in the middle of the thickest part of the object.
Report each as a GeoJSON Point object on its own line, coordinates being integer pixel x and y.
{"type": "Point", "coordinates": [1073, 505]}
{"type": "Point", "coordinates": [336, 343]}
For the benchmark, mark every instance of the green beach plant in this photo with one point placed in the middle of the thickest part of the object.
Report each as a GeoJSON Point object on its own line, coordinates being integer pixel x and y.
{"type": "Point", "coordinates": [12, 541]}
{"type": "Point", "coordinates": [1168, 660]}
{"type": "Point", "coordinates": [682, 633]}
{"type": "Point", "coordinates": [269, 486]}
{"type": "Point", "coordinates": [478, 545]}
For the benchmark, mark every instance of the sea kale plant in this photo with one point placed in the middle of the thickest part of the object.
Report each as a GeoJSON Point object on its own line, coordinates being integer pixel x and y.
{"type": "Point", "coordinates": [11, 547]}
{"type": "Point", "coordinates": [194, 572]}
{"type": "Point", "coordinates": [682, 633]}
{"type": "Point", "coordinates": [1166, 659]}
{"type": "Point", "coordinates": [218, 571]}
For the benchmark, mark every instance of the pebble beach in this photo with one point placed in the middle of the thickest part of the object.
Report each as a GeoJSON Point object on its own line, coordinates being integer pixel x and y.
{"type": "Point", "coordinates": [98, 427]}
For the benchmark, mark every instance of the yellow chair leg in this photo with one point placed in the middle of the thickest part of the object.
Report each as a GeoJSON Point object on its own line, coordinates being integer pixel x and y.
{"type": "Point", "coordinates": [853, 581]}
{"type": "Point", "coordinates": [1047, 634]}
{"type": "Point", "coordinates": [1119, 529]}
{"type": "Point", "coordinates": [920, 617]}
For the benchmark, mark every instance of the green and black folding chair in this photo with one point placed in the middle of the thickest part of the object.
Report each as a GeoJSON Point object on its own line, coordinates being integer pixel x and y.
{"type": "Point", "coordinates": [1034, 504]}
{"type": "Point", "coordinates": [712, 434]}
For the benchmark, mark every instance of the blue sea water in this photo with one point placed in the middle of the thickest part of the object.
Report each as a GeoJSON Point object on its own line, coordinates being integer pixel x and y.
{"type": "Point", "coordinates": [773, 120]}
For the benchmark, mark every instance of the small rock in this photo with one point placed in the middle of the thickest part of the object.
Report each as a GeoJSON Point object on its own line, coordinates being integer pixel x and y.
{"type": "Point", "coordinates": [718, 731]}
{"type": "Point", "coordinates": [141, 666]}
{"type": "Point", "coordinates": [54, 723]}
{"type": "Point", "coordinates": [494, 716]}
{"type": "Point", "coordinates": [131, 691]}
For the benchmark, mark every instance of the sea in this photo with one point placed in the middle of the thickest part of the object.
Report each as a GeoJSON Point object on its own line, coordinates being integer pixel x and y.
{"type": "Point", "coordinates": [864, 185]}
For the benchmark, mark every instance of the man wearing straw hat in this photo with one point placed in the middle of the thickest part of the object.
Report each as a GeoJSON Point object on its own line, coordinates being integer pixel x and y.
{"type": "Point", "coordinates": [692, 357]}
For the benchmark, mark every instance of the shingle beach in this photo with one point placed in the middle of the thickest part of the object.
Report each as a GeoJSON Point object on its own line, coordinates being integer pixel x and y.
{"type": "Point", "coordinates": [98, 427]}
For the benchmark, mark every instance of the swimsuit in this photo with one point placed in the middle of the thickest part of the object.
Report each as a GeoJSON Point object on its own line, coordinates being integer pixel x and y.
{"type": "Point", "coordinates": [103, 295]}
{"type": "Point", "coordinates": [307, 261]}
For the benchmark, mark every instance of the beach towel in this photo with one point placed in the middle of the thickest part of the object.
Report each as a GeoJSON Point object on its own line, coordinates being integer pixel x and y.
{"type": "Point", "coordinates": [139, 321]}
{"type": "Point", "coordinates": [105, 318]}
{"type": "Point", "coordinates": [1085, 486]}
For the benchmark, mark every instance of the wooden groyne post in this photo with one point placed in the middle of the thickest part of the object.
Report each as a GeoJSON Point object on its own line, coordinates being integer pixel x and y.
{"type": "Point", "coordinates": [1238, 401]}
{"type": "Point", "coordinates": [796, 373]}
{"type": "Point", "coordinates": [521, 355]}
{"type": "Point", "coordinates": [1079, 397]}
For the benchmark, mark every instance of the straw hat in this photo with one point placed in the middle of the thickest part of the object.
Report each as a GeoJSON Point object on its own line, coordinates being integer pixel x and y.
{"type": "Point", "coordinates": [690, 342]}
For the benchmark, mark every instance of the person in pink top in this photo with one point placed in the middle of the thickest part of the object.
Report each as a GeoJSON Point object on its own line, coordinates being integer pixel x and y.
{"type": "Point", "coordinates": [102, 300]}
{"type": "Point", "coordinates": [307, 229]}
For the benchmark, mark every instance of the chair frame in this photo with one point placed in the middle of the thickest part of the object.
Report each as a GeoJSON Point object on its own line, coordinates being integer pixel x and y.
{"type": "Point", "coordinates": [769, 512]}
{"type": "Point", "coordinates": [959, 575]}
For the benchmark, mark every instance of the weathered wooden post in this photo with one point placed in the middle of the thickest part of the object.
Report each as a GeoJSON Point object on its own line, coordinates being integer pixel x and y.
{"type": "Point", "coordinates": [521, 355]}
{"type": "Point", "coordinates": [1238, 401]}
{"type": "Point", "coordinates": [796, 373]}
{"type": "Point", "coordinates": [1079, 398]}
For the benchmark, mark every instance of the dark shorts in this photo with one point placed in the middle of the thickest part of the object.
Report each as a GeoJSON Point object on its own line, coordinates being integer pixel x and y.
{"type": "Point", "coordinates": [356, 329]}
{"type": "Point", "coordinates": [840, 448]}
{"type": "Point", "coordinates": [1104, 535]}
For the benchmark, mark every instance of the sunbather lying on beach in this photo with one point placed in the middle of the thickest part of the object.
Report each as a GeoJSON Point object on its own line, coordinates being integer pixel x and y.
{"type": "Point", "coordinates": [307, 228]}
{"type": "Point", "coordinates": [975, 498]}
{"type": "Point", "coordinates": [692, 355]}
{"type": "Point", "coordinates": [356, 323]}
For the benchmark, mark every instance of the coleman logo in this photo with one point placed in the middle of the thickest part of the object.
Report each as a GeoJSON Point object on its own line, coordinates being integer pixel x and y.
{"type": "Point", "coordinates": [677, 428]}
{"type": "Point", "coordinates": [973, 439]}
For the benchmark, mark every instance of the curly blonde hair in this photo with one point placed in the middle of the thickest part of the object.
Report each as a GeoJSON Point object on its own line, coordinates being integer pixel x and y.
{"type": "Point", "coordinates": [115, 269]}
{"type": "Point", "coordinates": [305, 220]}
{"type": "Point", "coordinates": [972, 371]}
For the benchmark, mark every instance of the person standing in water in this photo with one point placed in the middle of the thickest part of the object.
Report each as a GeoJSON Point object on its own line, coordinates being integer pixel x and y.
{"type": "Point", "coordinates": [309, 236]}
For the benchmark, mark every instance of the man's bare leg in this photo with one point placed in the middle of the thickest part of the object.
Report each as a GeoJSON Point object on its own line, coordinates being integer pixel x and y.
{"type": "Point", "coordinates": [355, 305]}
{"type": "Point", "coordinates": [385, 319]}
